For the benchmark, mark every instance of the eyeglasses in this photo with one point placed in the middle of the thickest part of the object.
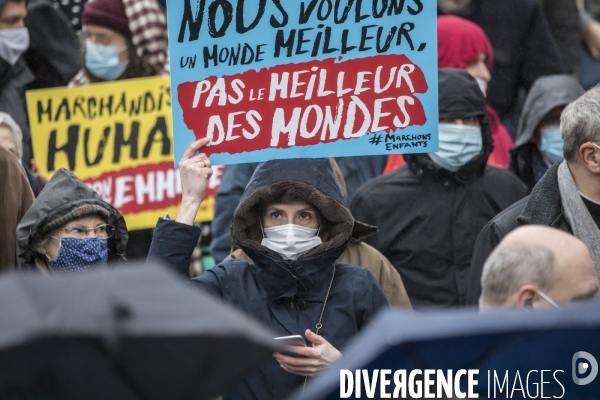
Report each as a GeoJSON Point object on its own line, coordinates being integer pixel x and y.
{"type": "Point", "coordinates": [77, 232]}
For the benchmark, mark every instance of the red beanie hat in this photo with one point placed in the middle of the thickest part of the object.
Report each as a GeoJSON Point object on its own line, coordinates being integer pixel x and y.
{"type": "Point", "coordinates": [107, 13]}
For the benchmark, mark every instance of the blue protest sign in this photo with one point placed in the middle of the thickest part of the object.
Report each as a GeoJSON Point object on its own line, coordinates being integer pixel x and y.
{"type": "Point", "coordinates": [268, 79]}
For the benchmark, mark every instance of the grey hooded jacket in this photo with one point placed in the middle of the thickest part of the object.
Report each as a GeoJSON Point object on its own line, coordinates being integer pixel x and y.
{"type": "Point", "coordinates": [63, 194]}
{"type": "Point", "coordinates": [547, 93]}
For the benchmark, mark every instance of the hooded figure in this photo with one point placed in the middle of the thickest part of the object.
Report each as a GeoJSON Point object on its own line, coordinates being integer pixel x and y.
{"type": "Point", "coordinates": [355, 171]}
{"type": "Point", "coordinates": [64, 199]}
{"type": "Point", "coordinates": [16, 198]}
{"type": "Point", "coordinates": [361, 254]}
{"type": "Point", "coordinates": [539, 143]}
{"type": "Point", "coordinates": [428, 215]}
{"type": "Point", "coordinates": [290, 293]}
{"type": "Point", "coordinates": [462, 44]}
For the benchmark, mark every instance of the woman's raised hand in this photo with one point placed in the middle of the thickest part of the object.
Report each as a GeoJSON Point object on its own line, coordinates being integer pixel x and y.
{"type": "Point", "coordinates": [314, 359]}
{"type": "Point", "coordinates": [195, 171]}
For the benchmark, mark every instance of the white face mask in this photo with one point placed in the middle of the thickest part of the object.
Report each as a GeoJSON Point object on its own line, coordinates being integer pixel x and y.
{"type": "Point", "coordinates": [483, 85]}
{"type": "Point", "coordinates": [291, 240]}
{"type": "Point", "coordinates": [13, 43]}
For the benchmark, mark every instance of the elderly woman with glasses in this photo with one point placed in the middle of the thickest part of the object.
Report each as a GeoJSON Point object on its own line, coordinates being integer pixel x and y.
{"type": "Point", "coordinates": [70, 229]}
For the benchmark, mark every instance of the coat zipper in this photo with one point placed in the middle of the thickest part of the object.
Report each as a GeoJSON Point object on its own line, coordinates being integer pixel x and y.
{"type": "Point", "coordinates": [292, 303]}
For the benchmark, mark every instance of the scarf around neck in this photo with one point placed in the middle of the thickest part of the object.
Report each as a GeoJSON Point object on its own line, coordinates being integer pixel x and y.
{"type": "Point", "coordinates": [577, 214]}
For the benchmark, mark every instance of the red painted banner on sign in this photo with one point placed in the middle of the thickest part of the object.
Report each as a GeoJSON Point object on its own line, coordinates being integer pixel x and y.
{"type": "Point", "coordinates": [304, 104]}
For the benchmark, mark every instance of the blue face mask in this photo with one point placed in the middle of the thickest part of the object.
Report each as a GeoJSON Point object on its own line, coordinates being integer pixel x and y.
{"type": "Point", "coordinates": [79, 255]}
{"type": "Point", "coordinates": [103, 61]}
{"type": "Point", "coordinates": [459, 144]}
{"type": "Point", "coordinates": [552, 144]}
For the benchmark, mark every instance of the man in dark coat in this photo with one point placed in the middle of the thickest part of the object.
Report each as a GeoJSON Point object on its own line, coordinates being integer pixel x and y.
{"type": "Point", "coordinates": [538, 144]}
{"type": "Point", "coordinates": [524, 48]}
{"type": "Point", "coordinates": [428, 215]}
{"type": "Point", "coordinates": [291, 294]}
{"type": "Point", "coordinates": [356, 171]}
{"type": "Point", "coordinates": [567, 197]}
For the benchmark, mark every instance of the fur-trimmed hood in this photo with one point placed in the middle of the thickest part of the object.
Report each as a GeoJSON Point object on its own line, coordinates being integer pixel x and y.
{"type": "Point", "coordinates": [312, 181]}
{"type": "Point", "coordinates": [309, 180]}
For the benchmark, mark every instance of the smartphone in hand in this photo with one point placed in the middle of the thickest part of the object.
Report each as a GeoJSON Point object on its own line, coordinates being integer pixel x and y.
{"type": "Point", "coordinates": [292, 340]}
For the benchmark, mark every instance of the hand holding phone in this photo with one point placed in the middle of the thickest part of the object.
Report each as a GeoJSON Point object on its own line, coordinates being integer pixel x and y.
{"type": "Point", "coordinates": [291, 341]}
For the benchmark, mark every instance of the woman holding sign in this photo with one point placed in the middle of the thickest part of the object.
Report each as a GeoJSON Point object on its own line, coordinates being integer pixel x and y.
{"type": "Point", "coordinates": [293, 223]}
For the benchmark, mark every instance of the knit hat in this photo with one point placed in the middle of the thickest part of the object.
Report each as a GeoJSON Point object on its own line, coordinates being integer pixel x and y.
{"type": "Point", "coordinates": [148, 27]}
{"type": "Point", "coordinates": [109, 14]}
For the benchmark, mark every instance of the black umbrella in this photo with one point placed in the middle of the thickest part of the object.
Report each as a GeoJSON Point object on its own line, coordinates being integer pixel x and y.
{"type": "Point", "coordinates": [128, 333]}
{"type": "Point", "coordinates": [565, 343]}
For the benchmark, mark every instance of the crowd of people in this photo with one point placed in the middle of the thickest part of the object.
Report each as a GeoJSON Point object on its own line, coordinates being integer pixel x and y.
{"type": "Point", "coordinates": [505, 215]}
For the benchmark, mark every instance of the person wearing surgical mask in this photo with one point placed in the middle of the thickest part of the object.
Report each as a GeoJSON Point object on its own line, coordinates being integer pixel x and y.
{"type": "Point", "coordinates": [463, 44]}
{"type": "Point", "coordinates": [119, 42]}
{"type": "Point", "coordinates": [293, 223]}
{"type": "Point", "coordinates": [14, 36]}
{"type": "Point", "coordinates": [430, 211]}
{"type": "Point", "coordinates": [290, 229]}
{"type": "Point", "coordinates": [68, 229]}
{"type": "Point", "coordinates": [539, 142]}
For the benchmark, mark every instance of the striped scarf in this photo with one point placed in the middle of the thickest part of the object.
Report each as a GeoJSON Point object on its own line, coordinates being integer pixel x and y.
{"type": "Point", "coordinates": [148, 27]}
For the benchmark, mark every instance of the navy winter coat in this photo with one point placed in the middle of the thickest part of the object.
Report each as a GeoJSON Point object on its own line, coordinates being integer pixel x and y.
{"type": "Point", "coordinates": [285, 295]}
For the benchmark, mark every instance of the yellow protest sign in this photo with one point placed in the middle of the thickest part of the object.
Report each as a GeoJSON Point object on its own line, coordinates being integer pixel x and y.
{"type": "Point", "coordinates": [117, 138]}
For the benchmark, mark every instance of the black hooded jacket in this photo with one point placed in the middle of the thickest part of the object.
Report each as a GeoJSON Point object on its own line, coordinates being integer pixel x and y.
{"type": "Point", "coordinates": [288, 295]}
{"type": "Point", "coordinates": [546, 94]}
{"type": "Point", "coordinates": [429, 217]}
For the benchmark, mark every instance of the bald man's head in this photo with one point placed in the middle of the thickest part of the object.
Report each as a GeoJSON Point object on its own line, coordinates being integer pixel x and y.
{"type": "Point", "coordinates": [534, 259]}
